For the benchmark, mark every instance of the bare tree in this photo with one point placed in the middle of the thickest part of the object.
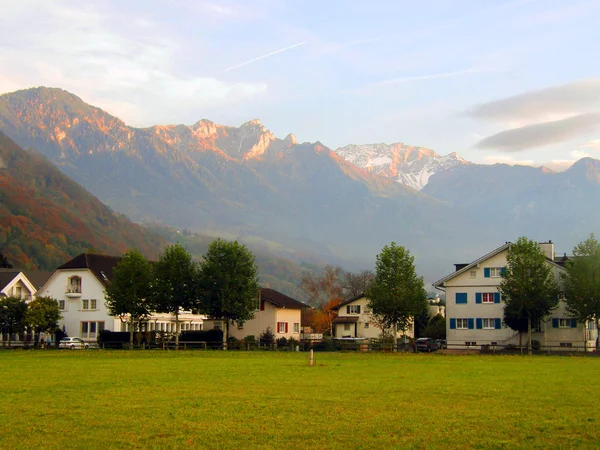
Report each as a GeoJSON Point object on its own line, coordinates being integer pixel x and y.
{"type": "Point", "coordinates": [355, 284]}
{"type": "Point", "coordinates": [324, 290]}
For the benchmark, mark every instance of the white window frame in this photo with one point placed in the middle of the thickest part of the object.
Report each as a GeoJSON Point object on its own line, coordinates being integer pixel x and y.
{"type": "Point", "coordinates": [491, 323]}
{"type": "Point", "coordinates": [487, 297]}
{"type": "Point", "coordinates": [564, 323]}
{"type": "Point", "coordinates": [98, 325]}
{"type": "Point", "coordinates": [281, 327]}
{"type": "Point", "coordinates": [74, 288]}
{"type": "Point", "coordinates": [93, 304]}
{"type": "Point", "coordinates": [462, 324]}
{"type": "Point", "coordinates": [62, 305]}
{"type": "Point", "coordinates": [296, 327]}
{"type": "Point", "coordinates": [85, 304]}
{"type": "Point", "coordinates": [495, 272]}
{"type": "Point", "coordinates": [367, 324]}
{"type": "Point", "coordinates": [354, 309]}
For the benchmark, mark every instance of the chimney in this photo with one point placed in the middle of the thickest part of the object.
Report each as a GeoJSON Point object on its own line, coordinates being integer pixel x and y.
{"type": "Point", "coordinates": [548, 249]}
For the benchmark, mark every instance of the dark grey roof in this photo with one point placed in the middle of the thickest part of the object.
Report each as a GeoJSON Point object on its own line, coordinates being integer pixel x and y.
{"type": "Point", "coordinates": [350, 300]}
{"type": "Point", "coordinates": [6, 276]}
{"type": "Point", "coordinates": [281, 300]}
{"type": "Point", "coordinates": [100, 265]}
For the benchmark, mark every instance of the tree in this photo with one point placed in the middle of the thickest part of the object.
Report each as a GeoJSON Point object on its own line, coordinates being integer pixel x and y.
{"type": "Point", "coordinates": [436, 328]}
{"type": "Point", "coordinates": [4, 262]}
{"type": "Point", "coordinates": [324, 292]}
{"type": "Point", "coordinates": [12, 316]}
{"type": "Point", "coordinates": [528, 287]}
{"type": "Point", "coordinates": [582, 282]}
{"type": "Point", "coordinates": [355, 284]}
{"type": "Point", "coordinates": [174, 284]}
{"type": "Point", "coordinates": [42, 315]}
{"type": "Point", "coordinates": [397, 294]}
{"type": "Point", "coordinates": [127, 293]}
{"type": "Point", "coordinates": [229, 283]}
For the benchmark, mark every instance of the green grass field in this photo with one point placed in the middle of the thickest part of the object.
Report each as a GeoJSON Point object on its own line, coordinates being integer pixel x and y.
{"type": "Point", "coordinates": [195, 399]}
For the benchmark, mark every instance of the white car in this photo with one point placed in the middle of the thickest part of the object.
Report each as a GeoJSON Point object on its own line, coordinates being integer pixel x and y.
{"type": "Point", "coordinates": [74, 343]}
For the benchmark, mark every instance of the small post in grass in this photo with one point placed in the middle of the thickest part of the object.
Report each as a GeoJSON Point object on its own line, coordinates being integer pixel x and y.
{"type": "Point", "coordinates": [311, 358]}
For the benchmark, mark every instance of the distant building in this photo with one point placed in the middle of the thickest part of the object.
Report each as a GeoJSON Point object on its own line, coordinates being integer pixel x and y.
{"type": "Point", "coordinates": [475, 308]}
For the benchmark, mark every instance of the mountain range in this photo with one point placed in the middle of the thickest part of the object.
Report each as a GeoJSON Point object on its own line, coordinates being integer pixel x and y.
{"type": "Point", "coordinates": [303, 200]}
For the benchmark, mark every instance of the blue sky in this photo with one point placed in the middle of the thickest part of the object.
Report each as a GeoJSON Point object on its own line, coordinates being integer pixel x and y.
{"type": "Point", "coordinates": [510, 81]}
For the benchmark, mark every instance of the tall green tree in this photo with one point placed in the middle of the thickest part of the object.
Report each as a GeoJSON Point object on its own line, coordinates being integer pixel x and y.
{"type": "Point", "coordinates": [528, 286]}
{"type": "Point", "coordinates": [4, 262]}
{"type": "Point", "coordinates": [127, 293]}
{"type": "Point", "coordinates": [12, 316]}
{"type": "Point", "coordinates": [42, 315]}
{"type": "Point", "coordinates": [582, 282]}
{"type": "Point", "coordinates": [397, 295]}
{"type": "Point", "coordinates": [229, 283]}
{"type": "Point", "coordinates": [174, 286]}
{"type": "Point", "coordinates": [436, 328]}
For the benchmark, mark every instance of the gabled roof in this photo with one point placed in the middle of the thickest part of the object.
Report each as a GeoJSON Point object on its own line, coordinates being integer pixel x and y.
{"type": "Point", "coordinates": [350, 300]}
{"type": "Point", "coordinates": [281, 300]}
{"type": "Point", "coordinates": [37, 278]}
{"type": "Point", "coordinates": [7, 275]}
{"type": "Point", "coordinates": [100, 265]}
{"type": "Point", "coordinates": [473, 264]}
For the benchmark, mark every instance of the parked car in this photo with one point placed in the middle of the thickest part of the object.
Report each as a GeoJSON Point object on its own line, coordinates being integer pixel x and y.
{"type": "Point", "coordinates": [74, 343]}
{"type": "Point", "coordinates": [441, 343]}
{"type": "Point", "coordinates": [425, 344]}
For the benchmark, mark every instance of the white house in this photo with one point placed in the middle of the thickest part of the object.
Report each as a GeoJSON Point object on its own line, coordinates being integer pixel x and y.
{"type": "Point", "coordinates": [280, 313]}
{"type": "Point", "coordinates": [475, 308]}
{"type": "Point", "coordinates": [355, 321]}
{"type": "Point", "coordinates": [78, 287]}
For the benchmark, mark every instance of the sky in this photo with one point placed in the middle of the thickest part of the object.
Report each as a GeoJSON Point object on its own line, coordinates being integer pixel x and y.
{"type": "Point", "coordinates": [514, 81]}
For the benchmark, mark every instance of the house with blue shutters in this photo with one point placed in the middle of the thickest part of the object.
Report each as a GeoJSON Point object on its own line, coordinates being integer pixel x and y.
{"type": "Point", "coordinates": [475, 308]}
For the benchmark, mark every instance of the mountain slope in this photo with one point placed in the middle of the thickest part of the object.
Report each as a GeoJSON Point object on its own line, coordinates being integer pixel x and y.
{"type": "Point", "coordinates": [408, 165]}
{"type": "Point", "coordinates": [240, 182]}
{"type": "Point", "coordinates": [46, 218]}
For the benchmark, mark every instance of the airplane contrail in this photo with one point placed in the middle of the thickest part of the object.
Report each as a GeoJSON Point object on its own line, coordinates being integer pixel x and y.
{"type": "Point", "coordinates": [264, 56]}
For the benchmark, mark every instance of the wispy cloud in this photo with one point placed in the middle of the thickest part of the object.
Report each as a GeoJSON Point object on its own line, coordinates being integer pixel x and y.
{"type": "Point", "coordinates": [552, 103]}
{"type": "Point", "coordinates": [434, 76]}
{"type": "Point", "coordinates": [268, 55]}
{"type": "Point", "coordinates": [541, 134]}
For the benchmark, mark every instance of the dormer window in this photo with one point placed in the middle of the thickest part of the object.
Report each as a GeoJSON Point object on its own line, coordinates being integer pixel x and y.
{"type": "Point", "coordinates": [74, 284]}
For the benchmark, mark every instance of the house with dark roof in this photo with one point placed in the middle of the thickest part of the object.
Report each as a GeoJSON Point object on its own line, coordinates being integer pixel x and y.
{"type": "Point", "coordinates": [273, 310]}
{"type": "Point", "coordinates": [475, 308]}
{"type": "Point", "coordinates": [355, 321]}
{"type": "Point", "coordinates": [22, 284]}
{"type": "Point", "coordinates": [78, 286]}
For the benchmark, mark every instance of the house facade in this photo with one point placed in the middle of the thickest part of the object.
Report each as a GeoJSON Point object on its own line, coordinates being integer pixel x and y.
{"type": "Point", "coordinates": [475, 308]}
{"type": "Point", "coordinates": [78, 287]}
{"type": "Point", "coordinates": [355, 321]}
{"type": "Point", "coordinates": [280, 313]}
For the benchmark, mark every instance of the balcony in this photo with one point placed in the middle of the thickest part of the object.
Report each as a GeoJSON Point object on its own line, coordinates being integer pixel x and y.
{"type": "Point", "coordinates": [73, 292]}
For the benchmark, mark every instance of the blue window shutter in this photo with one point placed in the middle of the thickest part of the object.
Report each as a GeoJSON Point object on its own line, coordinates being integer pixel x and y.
{"type": "Point", "coordinates": [461, 298]}
{"type": "Point", "coordinates": [348, 309]}
{"type": "Point", "coordinates": [573, 323]}
{"type": "Point", "coordinates": [478, 297]}
{"type": "Point", "coordinates": [486, 272]}
{"type": "Point", "coordinates": [479, 323]}
{"type": "Point", "coordinates": [453, 324]}
{"type": "Point", "coordinates": [503, 271]}
{"type": "Point", "coordinates": [471, 324]}
{"type": "Point", "coordinates": [496, 297]}
{"type": "Point", "coordinates": [498, 324]}
{"type": "Point", "coordinates": [554, 323]}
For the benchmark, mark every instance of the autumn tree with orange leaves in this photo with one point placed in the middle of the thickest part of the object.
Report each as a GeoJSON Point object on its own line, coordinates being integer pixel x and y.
{"type": "Point", "coordinates": [324, 292]}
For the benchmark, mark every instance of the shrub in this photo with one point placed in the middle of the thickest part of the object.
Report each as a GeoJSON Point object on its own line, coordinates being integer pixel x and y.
{"type": "Point", "coordinates": [267, 337]}
{"type": "Point", "coordinates": [202, 336]}
{"type": "Point", "coordinates": [282, 342]}
{"type": "Point", "coordinates": [292, 343]}
{"type": "Point", "coordinates": [233, 343]}
{"type": "Point", "coordinates": [535, 345]}
{"type": "Point", "coordinates": [327, 345]}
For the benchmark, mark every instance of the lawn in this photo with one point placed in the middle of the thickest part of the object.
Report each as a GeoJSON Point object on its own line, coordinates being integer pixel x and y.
{"type": "Point", "coordinates": [195, 399]}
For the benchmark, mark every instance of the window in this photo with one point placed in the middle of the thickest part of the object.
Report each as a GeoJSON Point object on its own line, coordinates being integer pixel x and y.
{"type": "Point", "coordinates": [592, 325]}
{"type": "Point", "coordinates": [366, 324]}
{"type": "Point", "coordinates": [85, 304]}
{"type": "Point", "coordinates": [240, 326]}
{"type": "Point", "coordinates": [93, 304]}
{"type": "Point", "coordinates": [74, 284]}
{"type": "Point", "coordinates": [462, 324]}
{"type": "Point", "coordinates": [18, 292]}
{"type": "Point", "coordinates": [566, 344]}
{"type": "Point", "coordinates": [564, 323]}
{"type": "Point", "coordinates": [468, 344]}
{"type": "Point", "coordinates": [296, 327]}
{"type": "Point", "coordinates": [487, 297]}
{"type": "Point", "coordinates": [90, 330]}
{"type": "Point", "coordinates": [62, 305]}
{"type": "Point", "coordinates": [282, 327]}
{"type": "Point", "coordinates": [536, 326]}
{"type": "Point", "coordinates": [472, 273]}
{"type": "Point", "coordinates": [346, 327]}
{"type": "Point", "coordinates": [489, 324]}
{"type": "Point", "coordinates": [495, 272]}
{"type": "Point", "coordinates": [353, 309]}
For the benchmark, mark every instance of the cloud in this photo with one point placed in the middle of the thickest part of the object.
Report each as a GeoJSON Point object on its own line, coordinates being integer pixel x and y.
{"type": "Point", "coordinates": [133, 72]}
{"type": "Point", "coordinates": [540, 134]}
{"type": "Point", "coordinates": [506, 159]}
{"type": "Point", "coordinates": [548, 104]}
{"type": "Point", "coordinates": [250, 61]}
{"type": "Point", "coordinates": [433, 76]}
{"type": "Point", "coordinates": [592, 145]}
